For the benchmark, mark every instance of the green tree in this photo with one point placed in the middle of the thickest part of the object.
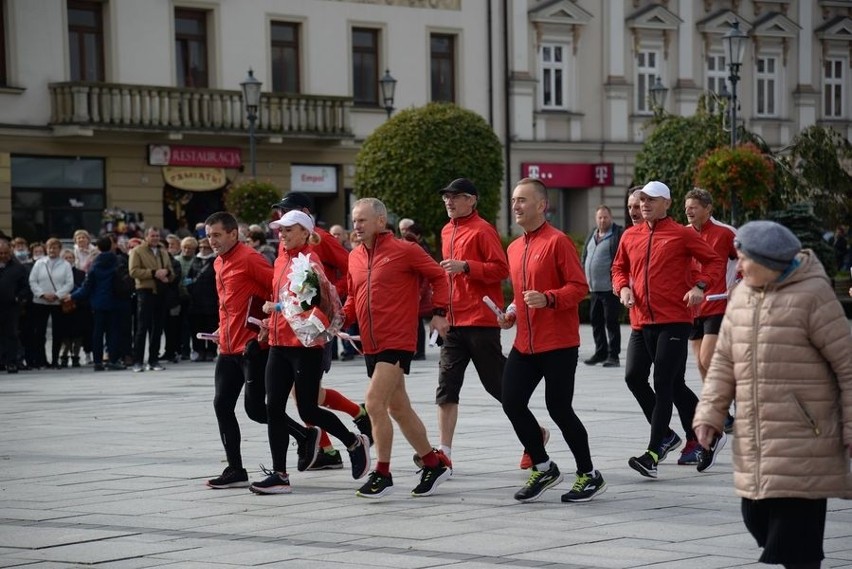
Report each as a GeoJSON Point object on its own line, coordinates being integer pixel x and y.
{"type": "Point", "coordinates": [744, 169]}
{"type": "Point", "coordinates": [410, 157]}
{"type": "Point", "coordinates": [812, 170]}
{"type": "Point", "coordinates": [251, 200]}
{"type": "Point", "coordinates": [800, 219]}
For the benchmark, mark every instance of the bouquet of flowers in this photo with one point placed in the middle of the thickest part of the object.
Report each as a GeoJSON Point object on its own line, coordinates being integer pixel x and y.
{"type": "Point", "coordinates": [310, 303]}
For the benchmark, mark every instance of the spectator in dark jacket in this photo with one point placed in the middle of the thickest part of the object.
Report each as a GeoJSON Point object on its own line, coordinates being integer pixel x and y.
{"type": "Point", "coordinates": [13, 292]}
{"type": "Point", "coordinates": [98, 290]}
{"type": "Point", "coordinates": [203, 300]}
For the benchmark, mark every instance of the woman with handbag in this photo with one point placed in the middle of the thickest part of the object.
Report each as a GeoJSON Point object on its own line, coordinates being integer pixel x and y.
{"type": "Point", "coordinates": [50, 280]}
{"type": "Point", "coordinates": [76, 320]}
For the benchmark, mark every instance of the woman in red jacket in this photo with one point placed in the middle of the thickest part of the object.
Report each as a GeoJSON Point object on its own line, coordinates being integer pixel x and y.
{"type": "Point", "coordinates": [292, 363]}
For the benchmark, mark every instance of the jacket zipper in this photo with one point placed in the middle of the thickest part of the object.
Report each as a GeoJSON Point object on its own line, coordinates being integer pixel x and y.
{"type": "Point", "coordinates": [648, 273]}
{"type": "Point", "coordinates": [276, 314]}
{"type": "Point", "coordinates": [755, 327]}
{"type": "Point", "coordinates": [370, 257]}
{"type": "Point", "coordinates": [452, 277]}
{"type": "Point", "coordinates": [527, 239]}
{"type": "Point", "coordinates": [808, 418]}
{"type": "Point", "coordinates": [225, 308]}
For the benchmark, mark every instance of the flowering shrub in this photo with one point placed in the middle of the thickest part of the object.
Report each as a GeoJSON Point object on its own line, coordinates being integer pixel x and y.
{"type": "Point", "coordinates": [251, 200]}
{"type": "Point", "coordinates": [744, 169]}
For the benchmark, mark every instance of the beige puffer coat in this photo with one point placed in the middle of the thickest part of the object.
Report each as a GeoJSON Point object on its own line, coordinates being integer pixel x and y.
{"type": "Point", "coordinates": [786, 351]}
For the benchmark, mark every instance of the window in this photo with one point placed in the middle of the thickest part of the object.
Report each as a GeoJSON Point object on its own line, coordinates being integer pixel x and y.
{"type": "Point", "coordinates": [54, 196]}
{"type": "Point", "coordinates": [766, 79]}
{"type": "Point", "coordinates": [834, 87]}
{"type": "Point", "coordinates": [442, 52]}
{"type": "Point", "coordinates": [647, 71]}
{"type": "Point", "coordinates": [554, 76]}
{"type": "Point", "coordinates": [365, 66]}
{"type": "Point", "coordinates": [4, 80]}
{"type": "Point", "coordinates": [717, 78]}
{"type": "Point", "coordinates": [285, 57]}
{"type": "Point", "coordinates": [86, 41]}
{"type": "Point", "coordinates": [191, 48]}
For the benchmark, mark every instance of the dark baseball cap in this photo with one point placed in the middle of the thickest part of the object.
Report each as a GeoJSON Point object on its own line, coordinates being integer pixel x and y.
{"type": "Point", "coordinates": [460, 186]}
{"type": "Point", "coordinates": [294, 200]}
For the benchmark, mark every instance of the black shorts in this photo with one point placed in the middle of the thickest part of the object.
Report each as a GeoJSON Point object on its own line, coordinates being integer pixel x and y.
{"type": "Point", "coordinates": [709, 325]}
{"type": "Point", "coordinates": [462, 345]}
{"type": "Point", "coordinates": [396, 357]}
{"type": "Point", "coordinates": [790, 530]}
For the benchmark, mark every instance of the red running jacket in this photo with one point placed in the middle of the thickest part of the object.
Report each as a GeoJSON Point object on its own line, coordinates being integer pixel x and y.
{"type": "Point", "coordinates": [384, 292]}
{"type": "Point", "coordinates": [240, 273]}
{"type": "Point", "coordinates": [546, 260]}
{"type": "Point", "coordinates": [280, 333]}
{"type": "Point", "coordinates": [721, 238]}
{"type": "Point", "coordinates": [474, 240]}
{"type": "Point", "coordinates": [658, 263]}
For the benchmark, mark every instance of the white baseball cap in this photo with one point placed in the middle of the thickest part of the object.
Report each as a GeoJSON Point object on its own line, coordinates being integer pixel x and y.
{"type": "Point", "coordinates": [294, 217]}
{"type": "Point", "coordinates": [656, 190]}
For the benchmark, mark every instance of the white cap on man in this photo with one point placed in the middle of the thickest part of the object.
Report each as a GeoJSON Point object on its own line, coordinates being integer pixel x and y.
{"type": "Point", "coordinates": [294, 217]}
{"type": "Point", "coordinates": [656, 190]}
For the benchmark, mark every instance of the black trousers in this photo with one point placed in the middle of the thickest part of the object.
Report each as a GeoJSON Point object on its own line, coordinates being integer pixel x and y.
{"type": "Point", "coordinates": [41, 314]}
{"type": "Point", "coordinates": [150, 318]}
{"type": "Point", "coordinates": [521, 377]}
{"type": "Point", "coordinates": [302, 367]}
{"type": "Point", "coordinates": [604, 311]}
{"type": "Point", "coordinates": [9, 333]}
{"type": "Point", "coordinates": [665, 346]}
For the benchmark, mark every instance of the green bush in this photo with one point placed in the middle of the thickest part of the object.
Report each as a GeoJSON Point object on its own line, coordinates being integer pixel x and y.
{"type": "Point", "coordinates": [250, 201]}
{"type": "Point", "coordinates": [410, 157]}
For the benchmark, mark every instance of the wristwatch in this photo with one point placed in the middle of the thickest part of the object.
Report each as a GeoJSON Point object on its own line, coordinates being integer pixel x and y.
{"type": "Point", "coordinates": [442, 312]}
{"type": "Point", "coordinates": [701, 285]}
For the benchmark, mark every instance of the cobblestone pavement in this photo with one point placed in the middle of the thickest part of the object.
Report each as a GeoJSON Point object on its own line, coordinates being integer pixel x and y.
{"type": "Point", "coordinates": [108, 469]}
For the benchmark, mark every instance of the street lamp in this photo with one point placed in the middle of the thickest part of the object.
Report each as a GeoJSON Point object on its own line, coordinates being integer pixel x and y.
{"type": "Point", "coordinates": [388, 86]}
{"type": "Point", "coordinates": [251, 97]}
{"type": "Point", "coordinates": [735, 43]}
{"type": "Point", "coordinates": [658, 95]}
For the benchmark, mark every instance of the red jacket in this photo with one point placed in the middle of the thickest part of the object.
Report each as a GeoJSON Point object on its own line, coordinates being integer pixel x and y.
{"type": "Point", "coordinates": [546, 260]}
{"type": "Point", "coordinates": [721, 238]}
{"type": "Point", "coordinates": [335, 259]}
{"type": "Point", "coordinates": [280, 333]}
{"type": "Point", "coordinates": [657, 263]}
{"type": "Point", "coordinates": [240, 273]}
{"type": "Point", "coordinates": [384, 292]}
{"type": "Point", "coordinates": [474, 240]}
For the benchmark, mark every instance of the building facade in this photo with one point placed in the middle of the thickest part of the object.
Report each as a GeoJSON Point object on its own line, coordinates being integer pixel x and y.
{"type": "Point", "coordinates": [122, 104]}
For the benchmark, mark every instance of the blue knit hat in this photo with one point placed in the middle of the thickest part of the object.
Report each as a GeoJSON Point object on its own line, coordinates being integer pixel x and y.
{"type": "Point", "coordinates": [768, 243]}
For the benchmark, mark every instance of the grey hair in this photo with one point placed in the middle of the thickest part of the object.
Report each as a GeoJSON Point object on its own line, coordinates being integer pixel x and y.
{"type": "Point", "coordinates": [375, 204]}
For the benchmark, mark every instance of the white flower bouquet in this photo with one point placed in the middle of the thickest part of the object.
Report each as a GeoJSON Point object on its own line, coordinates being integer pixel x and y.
{"type": "Point", "coordinates": [310, 303]}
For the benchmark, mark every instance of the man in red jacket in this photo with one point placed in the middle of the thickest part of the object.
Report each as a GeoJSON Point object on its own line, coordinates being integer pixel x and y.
{"type": "Point", "coordinates": [548, 284]}
{"type": "Point", "coordinates": [384, 296]}
{"type": "Point", "coordinates": [654, 277]}
{"type": "Point", "coordinates": [241, 273]}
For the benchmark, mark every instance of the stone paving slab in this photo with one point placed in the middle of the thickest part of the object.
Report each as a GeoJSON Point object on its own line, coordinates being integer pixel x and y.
{"type": "Point", "coordinates": [107, 470]}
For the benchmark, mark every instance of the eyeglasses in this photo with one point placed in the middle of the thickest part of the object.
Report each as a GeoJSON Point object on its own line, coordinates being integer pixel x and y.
{"type": "Point", "coordinates": [448, 197]}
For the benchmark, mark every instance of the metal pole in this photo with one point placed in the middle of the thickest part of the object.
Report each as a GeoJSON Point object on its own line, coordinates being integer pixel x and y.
{"type": "Point", "coordinates": [252, 117]}
{"type": "Point", "coordinates": [734, 78]}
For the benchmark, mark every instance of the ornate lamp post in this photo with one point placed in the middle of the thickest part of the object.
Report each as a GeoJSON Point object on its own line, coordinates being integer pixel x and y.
{"type": "Point", "coordinates": [735, 43]}
{"type": "Point", "coordinates": [251, 98]}
{"type": "Point", "coordinates": [658, 93]}
{"type": "Point", "coordinates": [388, 87]}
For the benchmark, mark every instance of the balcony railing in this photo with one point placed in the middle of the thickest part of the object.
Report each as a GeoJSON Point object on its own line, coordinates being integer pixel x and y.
{"type": "Point", "coordinates": [169, 109]}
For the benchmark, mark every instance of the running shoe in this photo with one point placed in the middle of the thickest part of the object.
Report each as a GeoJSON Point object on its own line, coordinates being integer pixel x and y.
{"type": "Point", "coordinates": [538, 482]}
{"type": "Point", "coordinates": [377, 486]}
{"type": "Point", "coordinates": [585, 487]}
{"type": "Point", "coordinates": [274, 483]}
{"type": "Point", "coordinates": [328, 460]}
{"type": "Point", "coordinates": [691, 454]}
{"type": "Point", "coordinates": [231, 478]}
{"type": "Point", "coordinates": [430, 478]}
{"type": "Point", "coordinates": [669, 444]}
{"type": "Point", "coordinates": [365, 426]}
{"type": "Point", "coordinates": [308, 449]}
{"type": "Point", "coordinates": [708, 458]}
{"type": "Point", "coordinates": [526, 459]}
{"type": "Point", "coordinates": [359, 456]}
{"type": "Point", "coordinates": [644, 465]}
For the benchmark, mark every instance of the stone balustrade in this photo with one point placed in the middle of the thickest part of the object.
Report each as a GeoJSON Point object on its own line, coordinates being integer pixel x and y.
{"type": "Point", "coordinates": [146, 107]}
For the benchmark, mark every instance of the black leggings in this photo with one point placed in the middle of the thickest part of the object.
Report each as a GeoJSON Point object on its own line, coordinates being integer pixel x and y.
{"type": "Point", "coordinates": [232, 371]}
{"type": "Point", "coordinates": [521, 376]}
{"type": "Point", "coordinates": [665, 346]}
{"type": "Point", "coordinates": [304, 368]}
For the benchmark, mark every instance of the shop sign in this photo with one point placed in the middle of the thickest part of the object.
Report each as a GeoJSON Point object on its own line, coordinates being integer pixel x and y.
{"type": "Point", "coordinates": [194, 179]}
{"type": "Point", "coordinates": [313, 179]}
{"type": "Point", "coordinates": [202, 156]}
{"type": "Point", "coordinates": [570, 175]}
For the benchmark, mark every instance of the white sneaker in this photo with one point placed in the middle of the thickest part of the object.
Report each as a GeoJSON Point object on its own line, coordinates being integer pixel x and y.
{"type": "Point", "coordinates": [193, 356]}
{"type": "Point", "coordinates": [155, 367]}
{"type": "Point", "coordinates": [137, 368]}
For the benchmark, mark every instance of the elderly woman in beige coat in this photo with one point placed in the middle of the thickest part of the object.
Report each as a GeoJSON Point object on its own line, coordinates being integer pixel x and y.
{"type": "Point", "coordinates": [785, 355]}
